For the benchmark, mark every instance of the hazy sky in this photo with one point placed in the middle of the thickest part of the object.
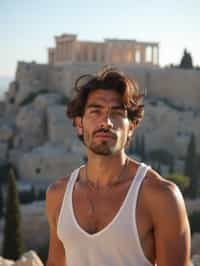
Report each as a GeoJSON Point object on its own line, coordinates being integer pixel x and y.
{"type": "Point", "coordinates": [27, 28]}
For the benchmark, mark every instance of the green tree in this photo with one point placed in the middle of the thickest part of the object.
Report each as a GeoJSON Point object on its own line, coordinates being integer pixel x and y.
{"type": "Point", "coordinates": [183, 182]}
{"type": "Point", "coordinates": [13, 246]}
{"type": "Point", "coordinates": [171, 166]}
{"type": "Point", "coordinates": [161, 155]}
{"type": "Point", "coordinates": [136, 144]}
{"type": "Point", "coordinates": [143, 148]}
{"type": "Point", "coordinates": [1, 201]}
{"type": "Point", "coordinates": [191, 167]}
{"type": "Point", "coordinates": [186, 60]}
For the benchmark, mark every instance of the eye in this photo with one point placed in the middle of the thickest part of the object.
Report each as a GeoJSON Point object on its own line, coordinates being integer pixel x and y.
{"type": "Point", "coordinates": [94, 111]}
{"type": "Point", "coordinates": [118, 113]}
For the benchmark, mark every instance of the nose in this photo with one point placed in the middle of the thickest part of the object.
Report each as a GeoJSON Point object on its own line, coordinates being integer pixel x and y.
{"type": "Point", "coordinates": [106, 121]}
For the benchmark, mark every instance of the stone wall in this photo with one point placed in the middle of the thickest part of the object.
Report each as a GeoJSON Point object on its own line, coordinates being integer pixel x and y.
{"type": "Point", "coordinates": [181, 87]}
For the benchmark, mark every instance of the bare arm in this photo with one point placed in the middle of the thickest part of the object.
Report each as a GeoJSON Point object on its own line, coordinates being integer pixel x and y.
{"type": "Point", "coordinates": [172, 232]}
{"type": "Point", "coordinates": [56, 255]}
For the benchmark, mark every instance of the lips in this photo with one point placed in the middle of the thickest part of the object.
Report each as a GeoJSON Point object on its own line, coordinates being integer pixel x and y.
{"type": "Point", "coordinates": [104, 135]}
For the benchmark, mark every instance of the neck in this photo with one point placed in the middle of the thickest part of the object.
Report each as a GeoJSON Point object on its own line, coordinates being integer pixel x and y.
{"type": "Point", "coordinates": [104, 171]}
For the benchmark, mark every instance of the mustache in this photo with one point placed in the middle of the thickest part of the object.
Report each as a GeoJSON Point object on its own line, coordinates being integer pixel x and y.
{"type": "Point", "coordinates": [105, 130]}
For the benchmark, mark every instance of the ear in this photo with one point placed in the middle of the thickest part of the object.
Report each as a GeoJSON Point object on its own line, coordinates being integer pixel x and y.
{"type": "Point", "coordinates": [79, 125]}
{"type": "Point", "coordinates": [132, 127]}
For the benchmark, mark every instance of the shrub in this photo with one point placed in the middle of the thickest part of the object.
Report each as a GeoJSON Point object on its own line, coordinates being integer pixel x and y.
{"type": "Point", "coordinates": [31, 97]}
{"type": "Point", "coordinates": [41, 194]}
{"type": "Point", "coordinates": [42, 252]}
{"type": "Point", "coordinates": [26, 197]}
{"type": "Point", "coordinates": [162, 156]}
{"type": "Point", "coordinates": [194, 220]}
{"type": "Point", "coordinates": [183, 182]}
{"type": "Point", "coordinates": [65, 100]}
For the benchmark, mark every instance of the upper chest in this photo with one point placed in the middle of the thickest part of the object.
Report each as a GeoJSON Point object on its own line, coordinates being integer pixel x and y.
{"type": "Point", "coordinates": [94, 210]}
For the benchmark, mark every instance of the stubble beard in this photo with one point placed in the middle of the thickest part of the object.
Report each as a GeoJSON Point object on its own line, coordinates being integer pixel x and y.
{"type": "Point", "coordinates": [104, 148]}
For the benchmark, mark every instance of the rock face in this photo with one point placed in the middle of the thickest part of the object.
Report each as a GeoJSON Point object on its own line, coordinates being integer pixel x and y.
{"type": "Point", "coordinates": [196, 260]}
{"type": "Point", "coordinates": [30, 125]}
{"type": "Point", "coordinates": [42, 143]}
{"type": "Point", "coordinates": [47, 163]}
{"type": "Point", "coordinates": [35, 227]}
{"type": "Point", "coordinates": [28, 259]}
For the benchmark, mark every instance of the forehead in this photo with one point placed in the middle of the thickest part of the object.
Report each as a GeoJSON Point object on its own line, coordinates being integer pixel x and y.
{"type": "Point", "coordinates": [104, 97]}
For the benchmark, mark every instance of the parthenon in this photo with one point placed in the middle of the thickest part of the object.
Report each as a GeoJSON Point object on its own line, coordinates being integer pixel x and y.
{"type": "Point", "coordinates": [111, 51]}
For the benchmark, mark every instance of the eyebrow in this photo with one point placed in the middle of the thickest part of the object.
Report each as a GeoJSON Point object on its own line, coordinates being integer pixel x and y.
{"type": "Point", "coordinates": [115, 107]}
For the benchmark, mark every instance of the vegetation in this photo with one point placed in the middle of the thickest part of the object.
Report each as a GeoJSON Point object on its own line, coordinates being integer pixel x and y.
{"type": "Point", "coordinates": [142, 148]}
{"type": "Point", "coordinates": [186, 60]}
{"type": "Point", "coordinates": [41, 194]}
{"type": "Point", "coordinates": [183, 182]}
{"type": "Point", "coordinates": [194, 220]}
{"type": "Point", "coordinates": [13, 246]}
{"type": "Point", "coordinates": [42, 252]}
{"type": "Point", "coordinates": [26, 197]}
{"type": "Point", "coordinates": [191, 167]}
{"type": "Point", "coordinates": [31, 97]}
{"type": "Point", "coordinates": [1, 202]}
{"type": "Point", "coordinates": [161, 156]}
{"type": "Point", "coordinates": [65, 100]}
{"type": "Point", "coordinates": [4, 170]}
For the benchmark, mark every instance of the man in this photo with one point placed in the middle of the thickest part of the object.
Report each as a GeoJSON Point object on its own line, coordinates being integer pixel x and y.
{"type": "Point", "coordinates": [114, 211]}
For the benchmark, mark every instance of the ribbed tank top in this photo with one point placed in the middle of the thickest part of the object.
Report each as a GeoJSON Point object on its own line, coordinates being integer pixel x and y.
{"type": "Point", "coordinates": [117, 244]}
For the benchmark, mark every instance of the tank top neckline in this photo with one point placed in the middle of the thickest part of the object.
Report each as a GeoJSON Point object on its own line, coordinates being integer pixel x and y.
{"type": "Point", "coordinates": [108, 226]}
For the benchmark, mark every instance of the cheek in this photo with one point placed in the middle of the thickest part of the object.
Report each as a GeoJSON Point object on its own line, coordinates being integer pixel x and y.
{"type": "Point", "coordinates": [87, 129]}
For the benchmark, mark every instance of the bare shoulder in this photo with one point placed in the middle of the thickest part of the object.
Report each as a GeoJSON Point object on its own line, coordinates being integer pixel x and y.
{"type": "Point", "coordinates": [54, 197]}
{"type": "Point", "coordinates": [163, 197]}
{"type": "Point", "coordinates": [160, 188]}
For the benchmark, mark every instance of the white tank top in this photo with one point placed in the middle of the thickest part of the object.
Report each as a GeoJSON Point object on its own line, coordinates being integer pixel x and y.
{"type": "Point", "coordinates": [117, 244]}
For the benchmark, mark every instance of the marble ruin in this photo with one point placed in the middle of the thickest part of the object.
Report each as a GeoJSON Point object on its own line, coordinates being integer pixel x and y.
{"type": "Point", "coordinates": [112, 51]}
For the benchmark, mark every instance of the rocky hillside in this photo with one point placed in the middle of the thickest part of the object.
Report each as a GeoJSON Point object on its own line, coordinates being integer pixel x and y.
{"type": "Point", "coordinates": [38, 138]}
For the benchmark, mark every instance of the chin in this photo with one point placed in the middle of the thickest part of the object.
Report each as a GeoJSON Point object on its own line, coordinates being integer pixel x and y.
{"type": "Point", "coordinates": [105, 150]}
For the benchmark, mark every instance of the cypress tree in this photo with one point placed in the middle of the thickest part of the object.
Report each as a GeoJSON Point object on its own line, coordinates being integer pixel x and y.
{"type": "Point", "coordinates": [186, 61]}
{"type": "Point", "coordinates": [171, 166]}
{"type": "Point", "coordinates": [13, 246]}
{"type": "Point", "coordinates": [143, 148]}
{"type": "Point", "coordinates": [190, 167]}
{"type": "Point", "coordinates": [1, 201]}
{"type": "Point", "coordinates": [137, 144]}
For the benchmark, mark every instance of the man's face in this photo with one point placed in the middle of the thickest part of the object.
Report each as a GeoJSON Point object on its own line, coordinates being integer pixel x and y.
{"type": "Point", "coordinates": [105, 125]}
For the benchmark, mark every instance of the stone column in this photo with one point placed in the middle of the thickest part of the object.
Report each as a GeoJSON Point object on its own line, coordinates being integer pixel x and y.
{"type": "Point", "coordinates": [58, 53]}
{"type": "Point", "coordinates": [157, 55]}
{"type": "Point", "coordinates": [123, 52]}
{"type": "Point", "coordinates": [62, 51]}
{"type": "Point", "coordinates": [89, 54]}
{"type": "Point", "coordinates": [65, 51]}
{"type": "Point", "coordinates": [108, 53]}
{"type": "Point", "coordinates": [152, 54]}
{"type": "Point", "coordinates": [142, 54]}
{"type": "Point", "coordinates": [98, 54]}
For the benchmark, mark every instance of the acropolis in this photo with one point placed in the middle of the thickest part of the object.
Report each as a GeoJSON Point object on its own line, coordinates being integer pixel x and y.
{"type": "Point", "coordinates": [111, 51]}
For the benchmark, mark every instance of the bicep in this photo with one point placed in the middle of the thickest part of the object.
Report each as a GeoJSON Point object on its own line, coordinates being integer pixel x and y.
{"type": "Point", "coordinates": [56, 254]}
{"type": "Point", "coordinates": [172, 232]}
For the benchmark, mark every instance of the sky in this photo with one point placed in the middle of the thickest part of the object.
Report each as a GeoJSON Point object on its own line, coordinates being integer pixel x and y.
{"type": "Point", "coordinates": [27, 28]}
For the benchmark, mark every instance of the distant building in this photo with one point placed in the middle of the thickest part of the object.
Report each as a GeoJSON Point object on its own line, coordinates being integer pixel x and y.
{"type": "Point", "coordinates": [112, 51]}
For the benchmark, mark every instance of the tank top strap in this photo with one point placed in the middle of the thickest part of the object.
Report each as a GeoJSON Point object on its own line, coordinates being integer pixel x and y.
{"type": "Point", "coordinates": [136, 184]}
{"type": "Point", "coordinates": [65, 205]}
{"type": "Point", "coordinates": [140, 175]}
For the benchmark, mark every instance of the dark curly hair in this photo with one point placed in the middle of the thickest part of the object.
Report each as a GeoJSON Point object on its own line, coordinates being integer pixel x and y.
{"type": "Point", "coordinates": [108, 79]}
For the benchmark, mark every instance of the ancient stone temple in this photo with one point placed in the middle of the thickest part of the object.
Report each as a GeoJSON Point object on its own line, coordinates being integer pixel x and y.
{"type": "Point", "coordinates": [112, 51]}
